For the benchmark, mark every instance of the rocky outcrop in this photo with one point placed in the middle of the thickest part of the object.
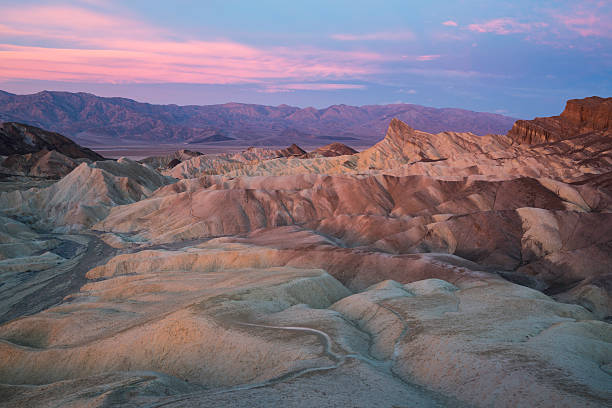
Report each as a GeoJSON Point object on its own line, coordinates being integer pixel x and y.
{"type": "Point", "coordinates": [404, 145]}
{"type": "Point", "coordinates": [16, 138]}
{"type": "Point", "coordinates": [36, 157]}
{"type": "Point", "coordinates": [332, 150]}
{"type": "Point", "coordinates": [170, 160]}
{"type": "Point", "coordinates": [537, 131]}
{"type": "Point", "coordinates": [592, 114]}
{"type": "Point", "coordinates": [293, 150]}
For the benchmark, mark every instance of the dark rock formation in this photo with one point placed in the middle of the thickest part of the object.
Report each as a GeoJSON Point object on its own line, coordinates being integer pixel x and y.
{"type": "Point", "coordinates": [44, 163]}
{"type": "Point", "coordinates": [333, 149]}
{"type": "Point", "coordinates": [170, 160]}
{"type": "Point", "coordinates": [16, 138]}
{"type": "Point", "coordinates": [293, 150]}
{"type": "Point", "coordinates": [173, 163]}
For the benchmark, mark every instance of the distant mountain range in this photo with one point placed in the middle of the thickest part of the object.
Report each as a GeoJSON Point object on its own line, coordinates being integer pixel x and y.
{"type": "Point", "coordinates": [93, 121]}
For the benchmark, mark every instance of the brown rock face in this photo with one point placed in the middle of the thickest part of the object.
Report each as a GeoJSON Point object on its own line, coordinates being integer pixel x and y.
{"type": "Point", "coordinates": [580, 116]}
{"type": "Point", "coordinates": [535, 131]}
{"type": "Point", "coordinates": [593, 112]}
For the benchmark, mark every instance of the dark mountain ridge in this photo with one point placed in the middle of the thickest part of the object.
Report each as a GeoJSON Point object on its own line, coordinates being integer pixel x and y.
{"type": "Point", "coordinates": [17, 139]}
{"type": "Point", "coordinates": [94, 120]}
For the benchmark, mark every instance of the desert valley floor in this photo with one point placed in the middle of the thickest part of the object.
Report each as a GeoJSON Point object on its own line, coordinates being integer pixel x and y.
{"type": "Point", "coordinates": [429, 270]}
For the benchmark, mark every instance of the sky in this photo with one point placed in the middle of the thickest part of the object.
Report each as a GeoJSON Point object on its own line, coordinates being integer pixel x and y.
{"type": "Point", "coordinates": [519, 58]}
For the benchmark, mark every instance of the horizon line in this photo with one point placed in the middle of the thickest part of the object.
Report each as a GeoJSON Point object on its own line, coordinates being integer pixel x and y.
{"type": "Point", "coordinates": [257, 104]}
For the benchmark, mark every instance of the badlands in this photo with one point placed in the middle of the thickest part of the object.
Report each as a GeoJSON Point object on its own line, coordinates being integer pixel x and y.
{"type": "Point", "coordinates": [430, 270]}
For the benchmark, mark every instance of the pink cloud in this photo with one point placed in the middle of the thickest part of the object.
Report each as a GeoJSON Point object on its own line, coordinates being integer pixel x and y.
{"type": "Point", "coordinates": [427, 57]}
{"type": "Point", "coordinates": [588, 22]}
{"type": "Point", "coordinates": [450, 23]}
{"type": "Point", "coordinates": [95, 47]}
{"type": "Point", "coordinates": [380, 36]}
{"type": "Point", "coordinates": [73, 24]}
{"type": "Point", "coordinates": [505, 26]}
{"type": "Point", "coordinates": [205, 63]}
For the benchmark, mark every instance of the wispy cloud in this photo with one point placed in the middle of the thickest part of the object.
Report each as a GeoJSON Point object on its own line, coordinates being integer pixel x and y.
{"type": "Point", "coordinates": [450, 23]}
{"type": "Point", "coordinates": [420, 58]}
{"type": "Point", "coordinates": [566, 27]}
{"type": "Point", "coordinates": [452, 73]}
{"type": "Point", "coordinates": [594, 21]}
{"type": "Point", "coordinates": [428, 57]}
{"type": "Point", "coordinates": [379, 36]}
{"type": "Point", "coordinates": [505, 26]}
{"type": "Point", "coordinates": [78, 44]}
{"type": "Point", "coordinates": [310, 87]}
{"type": "Point", "coordinates": [75, 25]}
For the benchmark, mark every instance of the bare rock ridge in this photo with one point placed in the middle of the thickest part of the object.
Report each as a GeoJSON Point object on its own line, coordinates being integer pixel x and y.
{"type": "Point", "coordinates": [592, 114]}
{"type": "Point", "coordinates": [429, 270]}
